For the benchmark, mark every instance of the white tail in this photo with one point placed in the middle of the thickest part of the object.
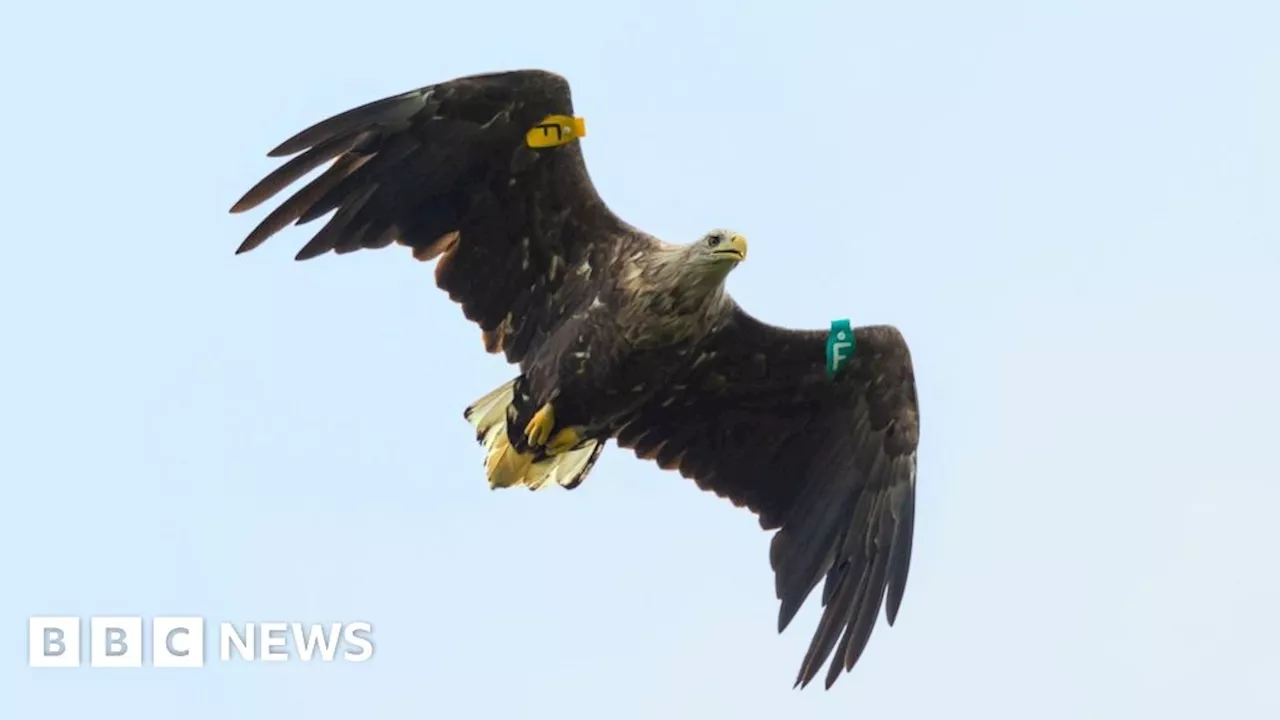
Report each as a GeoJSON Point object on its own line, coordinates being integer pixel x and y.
{"type": "Point", "coordinates": [504, 467]}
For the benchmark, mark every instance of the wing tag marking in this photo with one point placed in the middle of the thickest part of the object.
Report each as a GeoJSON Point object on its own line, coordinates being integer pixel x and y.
{"type": "Point", "coordinates": [840, 346]}
{"type": "Point", "coordinates": [556, 130]}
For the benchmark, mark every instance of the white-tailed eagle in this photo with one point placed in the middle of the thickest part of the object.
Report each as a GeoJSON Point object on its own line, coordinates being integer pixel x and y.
{"type": "Point", "coordinates": [620, 335]}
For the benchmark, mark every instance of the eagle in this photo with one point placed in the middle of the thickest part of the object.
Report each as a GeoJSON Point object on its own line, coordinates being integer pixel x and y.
{"type": "Point", "coordinates": [620, 335]}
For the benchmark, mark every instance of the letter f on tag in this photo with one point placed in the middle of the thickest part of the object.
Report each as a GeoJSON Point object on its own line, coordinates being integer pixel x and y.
{"type": "Point", "coordinates": [840, 344]}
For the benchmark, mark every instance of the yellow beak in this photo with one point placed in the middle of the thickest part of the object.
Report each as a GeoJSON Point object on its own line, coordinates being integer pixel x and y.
{"type": "Point", "coordinates": [736, 248]}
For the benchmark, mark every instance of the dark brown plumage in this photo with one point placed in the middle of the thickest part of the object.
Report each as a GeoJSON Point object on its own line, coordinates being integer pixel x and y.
{"type": "Point", "coordinates": [830, 462]}
{"type": "Point", "coordinates": [620, 335]}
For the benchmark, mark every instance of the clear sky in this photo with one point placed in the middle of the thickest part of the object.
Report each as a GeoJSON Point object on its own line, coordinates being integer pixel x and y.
{"type": "Point", "coordinates": [1069, 208]}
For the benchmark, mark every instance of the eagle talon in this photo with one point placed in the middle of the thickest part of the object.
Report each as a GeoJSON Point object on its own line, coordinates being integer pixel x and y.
{"type": "Point", "coordinates": [564, 441]}
{"type": "Point", "coordinates": [539, 428]}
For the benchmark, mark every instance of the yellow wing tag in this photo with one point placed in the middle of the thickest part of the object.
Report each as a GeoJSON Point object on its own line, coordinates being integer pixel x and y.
{"type": "Point", "coordinates": [556, 130]}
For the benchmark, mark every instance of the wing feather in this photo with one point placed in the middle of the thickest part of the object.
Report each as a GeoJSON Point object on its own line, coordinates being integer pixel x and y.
{"type": "Point", "coordinates": [829, 463]}
{"type": "Point", "coordinates": [444, 170]}
{"type": "Point", "coordinates": [290, 172]}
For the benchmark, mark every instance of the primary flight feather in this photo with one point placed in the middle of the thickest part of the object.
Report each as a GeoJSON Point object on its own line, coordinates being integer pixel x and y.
{"type": "Point", "coordinates": [620, 335]}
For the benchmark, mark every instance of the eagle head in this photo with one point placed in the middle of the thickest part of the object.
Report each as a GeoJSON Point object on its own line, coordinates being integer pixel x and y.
{"type": "Point", "coordinates": [706, 263]}
{"type": "Point", "coordinates": [688, 276]}
{"type": "Point", "coordinates": [722, 247]}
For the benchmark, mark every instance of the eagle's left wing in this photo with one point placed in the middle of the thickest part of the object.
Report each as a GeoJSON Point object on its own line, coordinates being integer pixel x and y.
{"type": "Point", "coordinates": [830, 462]}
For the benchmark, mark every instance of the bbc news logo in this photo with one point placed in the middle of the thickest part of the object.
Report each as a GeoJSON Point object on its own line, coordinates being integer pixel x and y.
{"type": "Point", "coordinates": [180, 642]}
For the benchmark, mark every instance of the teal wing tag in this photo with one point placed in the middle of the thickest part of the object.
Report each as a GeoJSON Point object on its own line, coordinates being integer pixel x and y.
{"type": "Point", "coordinates": [840, 344]}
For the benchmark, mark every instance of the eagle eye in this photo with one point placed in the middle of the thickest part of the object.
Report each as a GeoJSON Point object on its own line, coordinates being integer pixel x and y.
{"type": "Point", "coordinates": [714, 240]}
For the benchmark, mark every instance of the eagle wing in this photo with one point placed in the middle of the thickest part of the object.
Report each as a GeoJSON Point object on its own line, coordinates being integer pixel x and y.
{"type": "Point", "coordinates": [445, 170]}
{"type": "Point", "coordinates": [829, 462]}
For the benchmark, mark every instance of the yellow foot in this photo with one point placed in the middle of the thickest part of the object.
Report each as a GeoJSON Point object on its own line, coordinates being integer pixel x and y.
{"type": "Point", "coordinates": [540, 427]}
{"type": "Point", "coordinates": [564, 441]}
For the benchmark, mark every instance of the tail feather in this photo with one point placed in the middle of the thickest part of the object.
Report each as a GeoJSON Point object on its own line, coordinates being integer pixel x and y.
{"type": "Point", "coordinates": [507, 467]}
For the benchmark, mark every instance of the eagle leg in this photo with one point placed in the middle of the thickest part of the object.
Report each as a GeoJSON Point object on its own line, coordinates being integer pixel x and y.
{"type": "Point", "coordinates": [564, 441]}
{"type": "Point", "coordinates": [538, 431]}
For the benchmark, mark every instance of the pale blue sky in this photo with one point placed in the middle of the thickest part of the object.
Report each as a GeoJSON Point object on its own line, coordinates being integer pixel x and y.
{"type": "Point", "coordinates": [1069, 208]}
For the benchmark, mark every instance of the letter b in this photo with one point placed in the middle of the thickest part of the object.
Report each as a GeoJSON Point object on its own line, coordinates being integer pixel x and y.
{"type": "Point", "coordinates": [115, 642]}
{"type": "Point", "coordinates": [53, 642]}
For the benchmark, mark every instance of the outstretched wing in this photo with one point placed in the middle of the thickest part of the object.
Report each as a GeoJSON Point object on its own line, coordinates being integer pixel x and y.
{"type": "Point", "coordinates": [446, 170]}
{"type": "Point", "coordinates": [831, 462]}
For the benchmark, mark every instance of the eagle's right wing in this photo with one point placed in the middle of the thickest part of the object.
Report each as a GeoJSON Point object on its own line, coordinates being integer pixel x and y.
{"type": "Point", "coordinates": [451, 171]}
